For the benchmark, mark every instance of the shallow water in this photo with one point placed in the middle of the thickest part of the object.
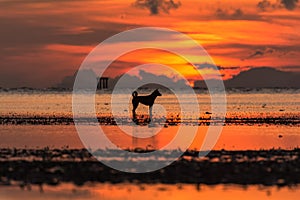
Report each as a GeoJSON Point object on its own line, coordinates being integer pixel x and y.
{"type": "Point", "coordinates": [146, 191]}
{"type": "Point", "coordinates": [232, 137]}
{"type": "Point", "coordinates": [262, 103]}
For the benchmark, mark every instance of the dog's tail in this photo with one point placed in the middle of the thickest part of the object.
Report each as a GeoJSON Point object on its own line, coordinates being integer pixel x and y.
{"type": "Point", "coordinates": [134, 94]}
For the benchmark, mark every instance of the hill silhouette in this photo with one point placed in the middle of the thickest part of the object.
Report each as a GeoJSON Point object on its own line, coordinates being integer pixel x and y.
{"type": "Point", "coordinates": [263, 77]}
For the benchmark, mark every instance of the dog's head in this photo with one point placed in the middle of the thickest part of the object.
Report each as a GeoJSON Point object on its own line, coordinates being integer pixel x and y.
{"type": "Point", "coordinates": [156, 93]}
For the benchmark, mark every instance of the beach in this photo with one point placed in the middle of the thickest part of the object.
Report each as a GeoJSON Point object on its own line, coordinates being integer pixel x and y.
{"type": "Point", "coordinates": [43, 155]}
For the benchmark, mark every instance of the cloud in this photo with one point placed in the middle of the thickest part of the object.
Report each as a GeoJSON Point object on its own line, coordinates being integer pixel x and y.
{"type": "Point", "coordinates": [37, 49]}
{"type": "Point", "coordinates": [267, 51]}
{"type": "Point", "coordinates": [235, 14]}
{"type": "Point", "coordinates": [41, 33]}
{"type": "Point", "coordinates": [229, 68]}
{"type": "Point", "coordinates": [224, 14]}
{"type": "Point", "coordinates": [289, 4]}
{"type": "Point", "coordinates": [266, 5]}
{"type": "Point", "coordinates": [294, 68]}
{"type": "Point", "coordinates": [144, 78]}
{"type": "Point", "coordinates": [216, 67]}
{"type": "Point", "coordinates": [157, 6]}
{"type": "Point", "coordinates": [205, 66]}
{"type": "Point", "coordinates": [257, 53]}
{"type": "Point", "coordinates": [244, 51]}
{"type": "Point", "coordinates": [226, 72]}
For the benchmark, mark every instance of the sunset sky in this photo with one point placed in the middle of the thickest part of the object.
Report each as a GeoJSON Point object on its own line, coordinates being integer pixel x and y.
{"type": "Point", "coordinates": [42, 41]}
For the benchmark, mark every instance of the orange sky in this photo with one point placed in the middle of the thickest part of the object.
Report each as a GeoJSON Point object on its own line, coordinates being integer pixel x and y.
{"type": "Point", "coordinates": [43, 41]}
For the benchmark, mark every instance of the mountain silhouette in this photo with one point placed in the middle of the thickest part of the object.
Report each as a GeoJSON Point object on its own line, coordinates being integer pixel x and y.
{"type": "Point", "coordinates": [263, 77]}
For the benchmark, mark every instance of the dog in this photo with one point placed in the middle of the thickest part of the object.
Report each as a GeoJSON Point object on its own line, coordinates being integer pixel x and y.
{"type": "Point", "coordinates": [146, 100]}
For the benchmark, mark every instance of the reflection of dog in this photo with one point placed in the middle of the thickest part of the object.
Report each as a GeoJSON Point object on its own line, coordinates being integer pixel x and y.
{"type": "Point", "coordinates": [146, 100]}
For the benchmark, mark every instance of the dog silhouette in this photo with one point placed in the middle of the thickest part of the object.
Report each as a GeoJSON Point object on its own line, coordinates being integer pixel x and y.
{"type": "Point", "coordinates": [146, 100]}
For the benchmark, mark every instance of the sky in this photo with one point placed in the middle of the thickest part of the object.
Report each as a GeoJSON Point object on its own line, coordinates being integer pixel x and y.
{"type": "Point", "coordinates": [42, 41]}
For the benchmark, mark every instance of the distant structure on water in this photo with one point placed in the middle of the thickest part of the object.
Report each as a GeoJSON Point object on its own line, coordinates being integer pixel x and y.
{"type": "Point", "coordinates": [102, 83]}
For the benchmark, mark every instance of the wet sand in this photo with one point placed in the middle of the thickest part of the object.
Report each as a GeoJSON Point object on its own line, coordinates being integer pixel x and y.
{"type": "Point", "coordinates": [144, 120]}
{"type": "Point", "coordinates": [46, 166]}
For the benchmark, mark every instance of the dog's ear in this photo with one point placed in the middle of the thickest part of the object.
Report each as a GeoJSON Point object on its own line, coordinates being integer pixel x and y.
{"type": "Point", "coordinates": [157, 92]}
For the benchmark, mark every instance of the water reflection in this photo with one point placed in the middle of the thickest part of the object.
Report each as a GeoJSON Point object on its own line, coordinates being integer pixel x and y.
{"type": "Point", "coordinates": [232, 137]}
{"type": "Point", "coordinates": [159, 191]}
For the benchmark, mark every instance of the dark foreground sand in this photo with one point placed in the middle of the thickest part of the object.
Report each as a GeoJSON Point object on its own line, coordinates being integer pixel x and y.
{"type": "Point", "coordinates": [144, 120]}
{"type": "Point", "coordinates": [52, 167]}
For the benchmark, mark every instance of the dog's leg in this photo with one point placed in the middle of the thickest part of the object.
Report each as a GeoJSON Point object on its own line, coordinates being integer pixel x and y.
{"type": "Point", "coordinates": [150, 113]}
{"type": "Point", "coordinates": [133, 113]}
{"type": "Point", "coordinates": [135, 105]}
